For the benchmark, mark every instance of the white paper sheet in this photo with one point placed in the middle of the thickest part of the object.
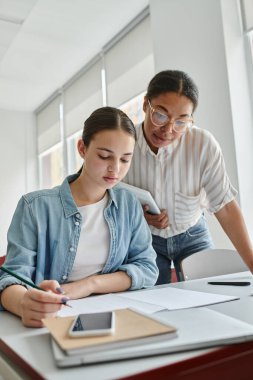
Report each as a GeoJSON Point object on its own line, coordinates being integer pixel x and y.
{"type": "Point", "coordinates": [148, 301]}
{"type": "Point", "coordinates": [107, 302]}
{"type": "Point", "coordinates": [174, 299]}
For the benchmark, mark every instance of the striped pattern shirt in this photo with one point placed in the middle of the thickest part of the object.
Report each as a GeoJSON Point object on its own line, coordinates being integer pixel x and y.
{"type": "Point", "coordinates": [186, 177]}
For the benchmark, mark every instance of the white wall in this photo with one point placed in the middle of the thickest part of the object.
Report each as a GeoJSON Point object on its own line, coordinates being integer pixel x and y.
{"type": "Point", "coordinates": [241, 103]}
{"type": "Point", "coordinates": [17, 164]}
{"type": "Point", "coordinates": [188, 35]}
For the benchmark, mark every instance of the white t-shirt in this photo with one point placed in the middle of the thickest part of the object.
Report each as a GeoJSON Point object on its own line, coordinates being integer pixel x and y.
{"type": "Point", "coordinates": [93, 247]}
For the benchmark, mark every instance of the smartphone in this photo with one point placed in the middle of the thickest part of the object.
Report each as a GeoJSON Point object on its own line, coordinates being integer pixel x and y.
{"type": "Point", "coordinates": [93, 324]}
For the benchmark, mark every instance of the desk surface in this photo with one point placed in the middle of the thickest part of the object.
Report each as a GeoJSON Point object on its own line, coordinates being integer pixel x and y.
{"type": "Point", "coordinates": [34, 344]}
{"type": "Point", "coordinates": [241, 309]}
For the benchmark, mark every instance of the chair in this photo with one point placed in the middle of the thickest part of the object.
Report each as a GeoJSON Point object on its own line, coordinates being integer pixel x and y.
{"type": "Point", "coordinates": [2, 258]}
{"type": "Point", "coordinates": [211, 262]}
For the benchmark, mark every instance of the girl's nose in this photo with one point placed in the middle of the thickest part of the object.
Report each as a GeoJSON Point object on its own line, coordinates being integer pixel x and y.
{"type": "Point", "coordinates": [113, 168]}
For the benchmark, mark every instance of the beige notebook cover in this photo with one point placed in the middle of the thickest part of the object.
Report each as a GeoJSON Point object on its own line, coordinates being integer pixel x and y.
{"type": "Point", "coordinates": [130, 326]}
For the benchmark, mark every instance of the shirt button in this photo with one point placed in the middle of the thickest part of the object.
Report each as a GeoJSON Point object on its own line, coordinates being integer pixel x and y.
{"type": "Point", "coordinates": [72, 249]}
{"type": "Point", "coordinates": [64, 277]}
{"type": "Point", "coordinates": [78, 216]}
{"type": "Point", "coordinates": [77, 223]}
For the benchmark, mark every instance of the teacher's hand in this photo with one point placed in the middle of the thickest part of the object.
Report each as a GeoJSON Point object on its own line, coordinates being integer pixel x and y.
{"type": "Point", "coordinates": [159, 221]}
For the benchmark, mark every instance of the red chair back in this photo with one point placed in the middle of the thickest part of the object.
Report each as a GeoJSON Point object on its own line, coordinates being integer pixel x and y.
{"type": "Point", "coordinates": [2, 258]}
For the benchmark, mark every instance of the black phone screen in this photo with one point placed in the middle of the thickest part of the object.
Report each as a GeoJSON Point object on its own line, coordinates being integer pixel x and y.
{"type": "Point", "coordinates": [94, 321]}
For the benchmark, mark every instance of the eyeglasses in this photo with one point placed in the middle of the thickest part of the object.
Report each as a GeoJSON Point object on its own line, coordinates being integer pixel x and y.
{"type": "Point", "coordinates": [160, 119]}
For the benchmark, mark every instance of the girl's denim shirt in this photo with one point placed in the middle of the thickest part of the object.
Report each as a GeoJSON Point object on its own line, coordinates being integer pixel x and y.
{"type": "Point", "coordinates": [45, 230]}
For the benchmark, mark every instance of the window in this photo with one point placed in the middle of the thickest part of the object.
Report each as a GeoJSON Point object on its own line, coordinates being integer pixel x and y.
{"type": "Point", "coordinates": [251, 46]}
{"type": "Point", "coordinates": [61, 118]}
{"type": "Point", "coordinates": [133, 109]}
{"type": "Point", "coordinates": [247, 20]}
{"type": "Point", "coordinates": [50, 151]}
{"type": "Point", "coordinates": [51, 167]}
{"type": "Point", "coordinates": [74, 160]}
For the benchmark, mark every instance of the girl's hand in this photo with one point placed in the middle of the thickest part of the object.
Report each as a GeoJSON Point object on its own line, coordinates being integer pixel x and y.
{"type": "Point", "coordinates": [159, 221]}
{"type": "Point", "coordinates": [98, 284]}
{"type": "Point", "coordinates": [36, 304]}
{"type": "Point", "coordinates": [79, 289]}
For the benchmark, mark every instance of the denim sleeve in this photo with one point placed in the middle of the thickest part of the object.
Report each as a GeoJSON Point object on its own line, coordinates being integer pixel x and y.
{"type": "Point", "coordinates": [141, 264]}
{"type": "Point", "coordinates": [22, 246]}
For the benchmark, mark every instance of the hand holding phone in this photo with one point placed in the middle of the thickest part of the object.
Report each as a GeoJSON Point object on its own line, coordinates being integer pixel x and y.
{"type": "Point", "coordinates": [93, 324]}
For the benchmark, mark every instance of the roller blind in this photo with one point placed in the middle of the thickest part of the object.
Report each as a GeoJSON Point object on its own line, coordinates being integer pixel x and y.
{"type": "Point", "coordinates": [82, 97]}
{"type": "Point", "coordinates": [129, 64]}
{"type": "Point", "coordinates": [48, 125]}
{"type": "Point", "coordinates": [247, 9]}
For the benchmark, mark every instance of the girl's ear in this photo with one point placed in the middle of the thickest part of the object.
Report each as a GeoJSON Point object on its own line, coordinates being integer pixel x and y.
{"type": "Point", "coordinates": [81, 148]}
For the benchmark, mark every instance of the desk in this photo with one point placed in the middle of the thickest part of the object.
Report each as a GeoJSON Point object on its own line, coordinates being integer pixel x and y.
{"type": "Point", "coordinates": [37, 362]}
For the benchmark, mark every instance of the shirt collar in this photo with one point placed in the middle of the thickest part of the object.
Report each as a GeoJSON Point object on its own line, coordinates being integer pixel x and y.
{"type": "Point", "coordinates": [67, 200]}
{"type": "Point", "coordinates": [113, 197]}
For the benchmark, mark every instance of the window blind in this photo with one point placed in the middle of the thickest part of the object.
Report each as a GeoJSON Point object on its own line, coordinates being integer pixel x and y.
{"type": "Point", "coordinates": [48, 125]}
{"type": "Point", "coordinates": [81, 98]}
{"type": "Point", "coordinates": [247, 10]}
{"type": "Point", "coordinates": [129, 64]}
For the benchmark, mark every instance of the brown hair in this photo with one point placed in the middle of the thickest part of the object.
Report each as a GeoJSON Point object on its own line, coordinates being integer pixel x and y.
{"type": "Point", "coordinates": [107, 118]}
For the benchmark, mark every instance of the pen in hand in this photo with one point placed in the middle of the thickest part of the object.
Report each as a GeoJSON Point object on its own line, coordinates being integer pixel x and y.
{"type": "Point", "coordinates": [233, 283]}
{"type": "Point", "coordinates": [25, 281]}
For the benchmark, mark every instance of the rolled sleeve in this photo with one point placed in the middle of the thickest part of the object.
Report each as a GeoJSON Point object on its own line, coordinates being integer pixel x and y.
{"type": "Point", "coordinates": [215, 181]}
{"type": "Point", "coordinates": [21, 250]}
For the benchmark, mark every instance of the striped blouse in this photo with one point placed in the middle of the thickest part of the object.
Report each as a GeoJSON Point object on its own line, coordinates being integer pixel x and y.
{"type": "Point", "coordinates": [186, 177]}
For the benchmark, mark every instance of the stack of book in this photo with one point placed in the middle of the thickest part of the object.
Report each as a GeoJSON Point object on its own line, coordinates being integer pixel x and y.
{"type": "Point", "coordinates": [133, 330]}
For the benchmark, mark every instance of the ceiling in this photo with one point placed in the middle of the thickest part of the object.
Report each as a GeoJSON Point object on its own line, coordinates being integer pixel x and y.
{"type": "Point", "coordinates": [43, 43]}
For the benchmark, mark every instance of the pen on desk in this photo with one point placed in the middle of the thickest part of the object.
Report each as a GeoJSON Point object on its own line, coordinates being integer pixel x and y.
{"type": "Point", "coordinates": [233, 283]}
{"type": "Point", "coordinates": [24, 280]}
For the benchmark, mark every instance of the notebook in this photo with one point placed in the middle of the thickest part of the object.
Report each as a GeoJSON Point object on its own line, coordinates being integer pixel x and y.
{"type": "Point", "coordinates": [197, 328]}
{"type": "Point", "coordinates": [131, 328]}
{"type": "Point", "coordinates": [144, 197]}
